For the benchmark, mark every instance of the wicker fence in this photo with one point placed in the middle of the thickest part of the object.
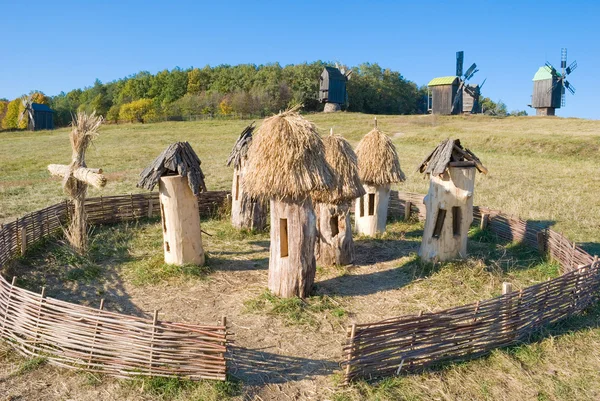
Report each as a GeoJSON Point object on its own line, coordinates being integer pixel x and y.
{"type": "Point", "coordinates": [413, 342]}
{"type": "Point", "coordinates": [85, 338]}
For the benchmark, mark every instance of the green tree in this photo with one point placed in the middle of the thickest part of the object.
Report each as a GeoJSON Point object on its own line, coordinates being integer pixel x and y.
{"type": "Point", "coordinates": [140, 110]}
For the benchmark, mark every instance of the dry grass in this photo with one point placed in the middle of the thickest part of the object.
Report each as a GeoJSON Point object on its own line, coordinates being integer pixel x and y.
{"type": "Point", "coordinates": [540, 169]}
{"type": "Point", "coordinates": [287, 159]}
{"type": "Point", "coordinates": [342, 159]}
{"type": "Point", "coordinates": [378, 162]}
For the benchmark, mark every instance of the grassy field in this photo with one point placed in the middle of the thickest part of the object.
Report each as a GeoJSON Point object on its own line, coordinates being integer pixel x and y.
{"type": "Point", "coordinates": [540, 168]}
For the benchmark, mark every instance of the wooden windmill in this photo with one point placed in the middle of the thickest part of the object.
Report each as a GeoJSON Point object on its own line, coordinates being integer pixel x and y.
{"type": "Point", "coordinates": [332, 88]}
{"type": "Point", "coordinates": [453, 94]}
{"type": "Point", "coordinates": [549, 86]}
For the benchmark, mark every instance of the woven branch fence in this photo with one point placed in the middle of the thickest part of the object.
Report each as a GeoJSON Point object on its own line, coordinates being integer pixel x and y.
{"type": "Point", "coordinates": [85, 338]}
{"type": "Point", "coordinates": [414, 342]}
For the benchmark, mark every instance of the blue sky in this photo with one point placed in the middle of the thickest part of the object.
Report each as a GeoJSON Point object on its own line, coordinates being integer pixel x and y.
{"type": "Point", "coordinates": [62, 45]}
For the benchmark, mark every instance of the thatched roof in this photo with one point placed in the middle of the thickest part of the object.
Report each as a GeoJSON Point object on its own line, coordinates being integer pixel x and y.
{"type": "Point", "coordinates": [450, 153]}
{"type": "Point", "coordinates": [378, 162]}
{"type": "Point", "coordinates": [178, 158]}
{"type": "Point", "coordinates": [342, 159]}
{"type": "Point", "coordinates": [240, 149]}
{"type": "Point", "coordinates": [287, 159]}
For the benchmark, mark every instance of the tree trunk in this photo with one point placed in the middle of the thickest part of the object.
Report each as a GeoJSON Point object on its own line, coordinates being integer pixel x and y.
{"type": "Point", "coordinates": [371, 210]}
{"type": "Point", "coordinates": [292, 264]}
{"type": "Point", "coordinates": [246, 213]}
{"type": "Point", "coordinates": [181, 222]}
{"type": "Point", "coordinates": [334, 245]}
{"type": "Point", "coordinates": [449, 204]}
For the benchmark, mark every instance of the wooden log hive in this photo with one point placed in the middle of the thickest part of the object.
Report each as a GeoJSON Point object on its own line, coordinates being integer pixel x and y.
{"type": "Point", "coordinates": [334, 245]}
{"type": "Point", "coordinates": [181, 222]}
{"type": "Point", "coordinates": [370, 213]}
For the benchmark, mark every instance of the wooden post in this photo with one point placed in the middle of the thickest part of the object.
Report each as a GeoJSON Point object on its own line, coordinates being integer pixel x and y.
{"type": "Point", "coordinates": [407, 210]}
{"type": "Point", "coordinates": [485, 219]}
{"type": "Point", "coordinates": [150, 206]}
{"type": "Point", "coordinates": [541, 242]}
{"type": "Point", "coordinates": [507, 289]}
{"type": "Point", "coordinates": [352, 333]}
{"type": "Point", "coordinates": [154, 322]}
{"type": "Point", "coordinates": [23, 235]}
{"type": "Point", "coordinates": [39, 315]}
{"type": "Point", "coordinates": [6, 311]}
{"type": "Point", "coordinates": [132, 208]}
{"type": "Point", "coordinates": [181, 222]}
{"type": "Point", "coordinates": [95, 331]}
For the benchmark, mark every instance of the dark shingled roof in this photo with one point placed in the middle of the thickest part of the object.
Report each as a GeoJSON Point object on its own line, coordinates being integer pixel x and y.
{"type": "Point", "coordinates": [335, 74]}
{"type": "Point", "coordinates": [450, 153]}
{"type": "Point", "coordinates": [178, 158]}
{"type": "Point", "coordinates": [41, 107]}
{"type": "Point", "coordinates": [240, 149]}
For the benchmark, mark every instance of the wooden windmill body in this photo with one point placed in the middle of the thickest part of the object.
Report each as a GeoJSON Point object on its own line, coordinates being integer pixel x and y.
{"type": "Point", "coordinates": [247, 212]}
{"type": "Point", "coordinates": [379, 168]}
{"type": "Point", "coordinates": [449, 201]}
{"type": "Point", "coordinates": [286, 163]}
{"type": "Point", "coordinates": [550, 86]}
{"type": "Point", "coordinates": [180, 180]}
{"type": "Point", "coordinates": [335, 245]}
{"type": "Point", "coordinates": [332, 88]}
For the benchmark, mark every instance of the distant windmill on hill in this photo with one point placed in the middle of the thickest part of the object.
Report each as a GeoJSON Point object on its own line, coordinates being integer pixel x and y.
{"type": "Point", "coordinates": [549, 86]}
{"type": "Point", "coordinates": [332, 87]}
{"type": "Point", "coordinates": [452, 94]}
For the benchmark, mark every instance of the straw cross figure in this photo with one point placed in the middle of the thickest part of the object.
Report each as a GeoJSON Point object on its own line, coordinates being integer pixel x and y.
{"type": "Point", "coordinates": [76, 177]}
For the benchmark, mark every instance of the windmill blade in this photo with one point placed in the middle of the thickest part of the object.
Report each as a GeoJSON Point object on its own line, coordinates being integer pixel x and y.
{"type": "Point", "coordinates": [563, 101]}
{"type": "Point", "coordinates": [572, 67]}
{"type": "Point", "coordinates": [458, 96]}
{"type": "Point", "coordinates": [481, 85]}
{"type": "Point", "coordinates": [459, 63]}
{"type": "Point", "coordinates": [552, 69]}
{"type": "Point", "coordinates": [349, 74]}
{"type": "Point", "coordinates": [471, 71]}
{"type": "Point", "coordinates": [570, 87]}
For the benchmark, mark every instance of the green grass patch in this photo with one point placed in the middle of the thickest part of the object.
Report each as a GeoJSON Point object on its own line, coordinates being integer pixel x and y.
{"type": "Point", "coordinates": [30, 364]}
{"type": "Point", "coordinates": [153, 270]}
{"type": "Point", "coordinates": [296, 311]}
{"type": "Point", "coordinates": [163, 388]}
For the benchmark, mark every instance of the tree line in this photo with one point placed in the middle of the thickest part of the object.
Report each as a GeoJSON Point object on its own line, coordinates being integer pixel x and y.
{"type": "Point", "coordinates": [245, 90]}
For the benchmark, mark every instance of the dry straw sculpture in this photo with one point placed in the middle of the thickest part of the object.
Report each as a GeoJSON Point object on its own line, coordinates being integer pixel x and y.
{"type": "Point", "coordinates": [286, 163]}
{"type": "Point", "coordinates": [77, 177]}
{"type": "Point", "coordinates": [334, 244]}
{"type": "Point", "coordinates": [378, 167]}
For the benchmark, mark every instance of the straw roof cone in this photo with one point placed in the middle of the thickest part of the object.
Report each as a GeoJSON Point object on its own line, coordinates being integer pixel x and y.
{"type": "Point", "coordinates": [287, 159]}
{"type": "Point", "coordinates": [344, 163]}
{"type": "Point", "coordinates": [378, 163]}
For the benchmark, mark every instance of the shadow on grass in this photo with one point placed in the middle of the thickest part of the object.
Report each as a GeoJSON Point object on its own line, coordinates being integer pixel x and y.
{"type": "Point", "coordinates": [260, 367]}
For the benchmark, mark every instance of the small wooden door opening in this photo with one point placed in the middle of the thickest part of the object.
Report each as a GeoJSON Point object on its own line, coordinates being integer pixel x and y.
{"type": "Point", "coordinates": [334, 224]}
{"type": "Point", "coordinates": [456, 220]}
{"type": "Point", "coordinates": [371, 204]}
{"type": "Point", "coordinates": [362, 205]}
{"type": "Point", "coordinates": [283, 238]}
{"type": "Point", "coordinates": [237, 186]}
{"type": "Point", "coordinates": [439, 223]}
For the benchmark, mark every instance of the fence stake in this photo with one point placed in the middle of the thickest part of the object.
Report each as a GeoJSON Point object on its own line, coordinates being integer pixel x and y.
{"type": "Point", "coordinates": [150, 206]}
{"type": "Point", "coordinates": [541, 242]}
{"type": "Point", "coordinates": [132, 211]}
{"type": "Point", "coordinates": [507, 289]}
{"type": "Point", "coordinates": [95, 331]}
{"type": "Point", "coordinates": [23, 235]}
{"type": "Point", "coordinates": [37, 322]}
{"type": "Point", "coordinates": [10, 291]}
{"type": "Point", "coordinates": [154, 321]}
{"type": "Point", "coordinates": [407, 210]}
{"type": "Point", "coordinates": [485, 219]}
{"type": "Point", "coordinates": [352, 334]}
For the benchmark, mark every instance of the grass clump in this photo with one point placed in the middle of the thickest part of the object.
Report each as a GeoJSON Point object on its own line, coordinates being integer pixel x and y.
{"type": "Point", "coordinates": [165, 388]}
{"type": "Point", "coordinates": [30, 365]}
{"type": "Point", "coordinates": [153, 269]}
{"type": "Point", "coordinates": [296, 311]}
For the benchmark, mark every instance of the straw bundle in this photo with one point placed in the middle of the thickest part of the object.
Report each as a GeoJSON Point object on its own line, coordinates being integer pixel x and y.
{"type": "Point", "coordinates": [85, 130]}
{"type": "Point", "coordinates": [378, 162]}
{"type": "Point", "coordinates": [287, 159]}
{"type": "Point", "coordinates": [343, 161]}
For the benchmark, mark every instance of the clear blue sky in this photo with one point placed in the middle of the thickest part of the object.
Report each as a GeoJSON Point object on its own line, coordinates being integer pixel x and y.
{"type": "Point", "coordinates": [61, 45]}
